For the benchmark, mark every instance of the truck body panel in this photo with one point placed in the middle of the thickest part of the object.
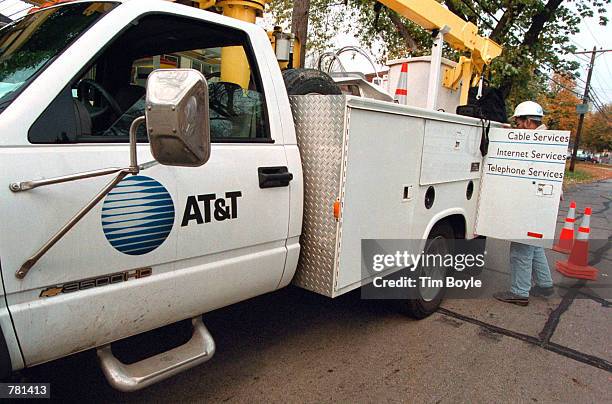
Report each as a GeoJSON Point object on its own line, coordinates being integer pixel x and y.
{"type": "Point", "coordinates": [377, 159]}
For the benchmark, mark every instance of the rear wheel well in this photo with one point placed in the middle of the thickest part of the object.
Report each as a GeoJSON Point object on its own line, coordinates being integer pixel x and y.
{"type": "Point", "coordinates": [455, 222]}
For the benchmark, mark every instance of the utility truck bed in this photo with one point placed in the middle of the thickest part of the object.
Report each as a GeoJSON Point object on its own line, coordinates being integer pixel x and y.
{"type": "Point", "coordinates": [377, 160]}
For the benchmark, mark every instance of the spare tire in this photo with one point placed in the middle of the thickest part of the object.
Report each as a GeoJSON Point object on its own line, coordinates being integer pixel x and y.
{"type": "Point", "coordinates": [309, 81]}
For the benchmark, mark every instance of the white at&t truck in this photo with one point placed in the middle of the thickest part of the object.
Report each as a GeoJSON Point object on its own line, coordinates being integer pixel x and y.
{"type": "Point", "coordinates": [110, 226]}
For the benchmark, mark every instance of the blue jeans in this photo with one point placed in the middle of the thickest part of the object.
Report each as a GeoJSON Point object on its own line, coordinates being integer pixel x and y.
{"type": "Point", "coordinates": [523, 259]}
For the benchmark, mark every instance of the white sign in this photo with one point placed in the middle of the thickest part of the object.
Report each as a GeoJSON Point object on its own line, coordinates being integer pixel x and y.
{"type": "Point", "coordinates": [521, 185]}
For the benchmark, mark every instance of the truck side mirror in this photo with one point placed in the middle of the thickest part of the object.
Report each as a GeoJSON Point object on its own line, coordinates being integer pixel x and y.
{"type": "Point", "coordinates": [177, 117]}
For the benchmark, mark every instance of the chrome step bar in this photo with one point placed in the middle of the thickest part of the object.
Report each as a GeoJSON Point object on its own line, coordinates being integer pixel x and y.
{"type": "Point", "coordinates": [199, 349]}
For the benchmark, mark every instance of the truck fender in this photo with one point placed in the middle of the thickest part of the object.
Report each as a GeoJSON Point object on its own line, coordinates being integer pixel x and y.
{"type": "Point", "coordinates": [456, 212]}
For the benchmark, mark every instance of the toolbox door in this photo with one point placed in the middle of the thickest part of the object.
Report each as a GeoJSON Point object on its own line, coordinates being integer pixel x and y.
{"type": "Point", "coordinates": [522, 179]}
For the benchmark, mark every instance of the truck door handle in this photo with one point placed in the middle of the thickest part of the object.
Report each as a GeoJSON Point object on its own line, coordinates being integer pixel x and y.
{"type": "Point", "coordinates": [273, 177]}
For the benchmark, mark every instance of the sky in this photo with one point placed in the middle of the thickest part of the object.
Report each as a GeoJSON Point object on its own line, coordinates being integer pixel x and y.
{"type": "Point", "coordinates": [591, 34]}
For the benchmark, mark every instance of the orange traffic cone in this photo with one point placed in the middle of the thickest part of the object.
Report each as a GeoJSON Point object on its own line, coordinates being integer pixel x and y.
{"type": "Point", "coordinates": [401, 92]}
{"type": "Point", "coordinates": [566, 238]}
{"type": "Point", "coordinates": [577, 266]}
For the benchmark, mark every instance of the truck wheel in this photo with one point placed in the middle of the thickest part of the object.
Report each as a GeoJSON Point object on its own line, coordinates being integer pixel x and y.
{"type": "Point", "coordinates": [475, 247]}
{"type": "Point", "coordinates": [309, 81]}
{"type": "Point", "coordinates": [439, 241]}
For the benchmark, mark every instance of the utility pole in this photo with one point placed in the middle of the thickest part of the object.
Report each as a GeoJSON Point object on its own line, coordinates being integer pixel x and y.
{"type": "Point", "coordinates": [585, 100]}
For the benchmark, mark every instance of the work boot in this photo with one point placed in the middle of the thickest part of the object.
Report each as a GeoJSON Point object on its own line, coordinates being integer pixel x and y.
{"type": "Point", "coordinates": [509, 297]}
{"type": "Point", "coordinates": [539, 291]}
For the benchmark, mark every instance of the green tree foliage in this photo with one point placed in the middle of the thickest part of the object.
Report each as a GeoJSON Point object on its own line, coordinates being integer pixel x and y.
{"type": "Point", "coordinates": [325, 19]}
{"type": "Point", "coordinates": [535, 34]}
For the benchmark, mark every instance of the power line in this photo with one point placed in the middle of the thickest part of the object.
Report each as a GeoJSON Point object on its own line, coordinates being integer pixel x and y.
{"type": "Point", "coordinates": [576, 43]}
{"type": "Point", "coordinates": [561, 84]}
{"type": "Point", "coordinates": [601, 110]}
{"type": "Point", "coordinates": [581, 58]}
{"type": "Point", "coordinates": [477, 15]}
{"type": "Point", "coordinates": [596, 98]}
{"type": "Point", "coordinates": [603, 85]}
{"type": "Point", "coordinates": [594, 51]}
{"type": "Point", "coordinates": [593, 36]}
{"type": "Point", "coordinates": [607, 66]}
{"type": "Point", "coordinates": [585, 98]}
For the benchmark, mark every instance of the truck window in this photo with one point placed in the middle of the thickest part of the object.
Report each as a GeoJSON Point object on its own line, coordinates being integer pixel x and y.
{"type": "Point", "coordinates": [110, 93]}
{"type": "Point", "coordinates": [30, 44]}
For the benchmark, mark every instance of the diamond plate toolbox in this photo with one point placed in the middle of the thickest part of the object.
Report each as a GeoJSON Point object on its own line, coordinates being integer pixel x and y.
{"type": "Point", "coordinates": [320, 124]}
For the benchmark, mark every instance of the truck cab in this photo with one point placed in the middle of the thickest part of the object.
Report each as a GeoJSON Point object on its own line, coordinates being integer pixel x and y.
{"type": "Point", "coordinates": [169, 243]}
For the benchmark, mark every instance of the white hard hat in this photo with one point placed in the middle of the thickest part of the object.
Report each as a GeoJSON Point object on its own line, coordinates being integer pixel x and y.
{"type": "Point", "coordinates": [528, 108]}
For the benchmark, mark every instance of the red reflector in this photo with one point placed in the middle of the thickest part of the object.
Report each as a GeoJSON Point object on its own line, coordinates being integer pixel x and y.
{"type": "Point", "coordinates": [584, 230]}
{"type": "Point", "coordinates": [401, 91]}
{"type": "Point", "coordinates": [570, 220]}
{"type": "Point", "coordinates": [535, 235]}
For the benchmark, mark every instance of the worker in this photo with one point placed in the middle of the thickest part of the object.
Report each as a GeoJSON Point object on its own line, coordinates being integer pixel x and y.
{"type": "Point", "coordinates": [526, 259]}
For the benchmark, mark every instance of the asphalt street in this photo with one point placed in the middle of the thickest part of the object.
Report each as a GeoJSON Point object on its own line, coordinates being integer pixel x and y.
{"type": "Point", "coordinates": [296, 346]}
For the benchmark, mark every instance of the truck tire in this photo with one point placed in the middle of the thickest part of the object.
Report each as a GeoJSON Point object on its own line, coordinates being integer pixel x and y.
{"type": "Point", "coordinates": [475, 247]}
{"type": "Point", "coordinates": [439, 241]}
{"type": "Point", "coordinates": [309, 81]}
{"type": "Point", "coordinates": [6, 367]}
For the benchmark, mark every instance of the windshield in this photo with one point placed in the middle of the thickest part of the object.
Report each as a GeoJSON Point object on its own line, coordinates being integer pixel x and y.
{"type": "Point", "coordinates": [28, 46]}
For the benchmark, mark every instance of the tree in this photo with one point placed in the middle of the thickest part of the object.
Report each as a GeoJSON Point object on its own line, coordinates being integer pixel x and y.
{"type": "Point", "coordinates": [560, 102]}
{"type": "Point", "coordinates": [320, 23]}
{"type": "Point", "coordinates": [534, 33]}
{"type": "Point", "coordinates": [299, 25]}
{"type": "Point", "coordinates": [598, 130]}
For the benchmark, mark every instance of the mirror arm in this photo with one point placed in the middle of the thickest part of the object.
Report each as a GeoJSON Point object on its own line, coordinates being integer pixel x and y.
{"type": "Point", "coordinates": [28, 185]}
{"type": "Point", "coordinates": [122, 173]}
{"type": "Point", "coordinates": [133, 140]}
{"type": "Point", "coordinates": [148, 164]}
{"type": "Point", "coordinates": [25, 268]}
{"type": "Point", "coordinates": [134, 167]}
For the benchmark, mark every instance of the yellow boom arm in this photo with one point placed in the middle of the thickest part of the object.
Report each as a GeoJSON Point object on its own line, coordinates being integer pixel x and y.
{"type": "Point", "coordinates": [461, 35]}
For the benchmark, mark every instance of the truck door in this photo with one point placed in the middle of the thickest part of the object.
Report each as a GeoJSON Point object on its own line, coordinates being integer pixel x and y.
{"type": "Point", "coordinates": [521, 185]}
{"type": "Point", "coordinates": [168, 244]}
